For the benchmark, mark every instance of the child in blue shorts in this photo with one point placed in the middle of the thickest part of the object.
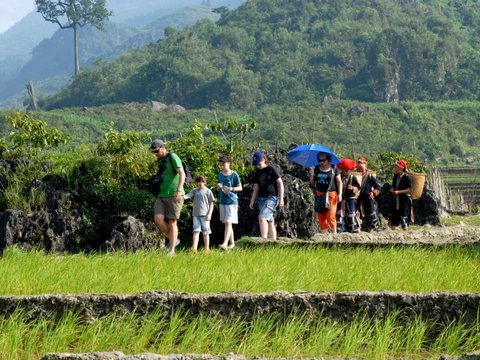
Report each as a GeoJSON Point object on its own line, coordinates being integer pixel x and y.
{"type": "Point", "coordinates": [268, 191]}
{"type": "Point", "coordinates": [202, 212]}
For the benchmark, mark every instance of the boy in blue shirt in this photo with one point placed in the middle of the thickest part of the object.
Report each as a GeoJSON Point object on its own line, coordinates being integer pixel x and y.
{"type": "Point", "coordinates": [228, 184]}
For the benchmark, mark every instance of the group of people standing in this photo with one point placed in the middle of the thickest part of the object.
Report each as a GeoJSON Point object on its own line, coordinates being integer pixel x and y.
{"type": "Point", "coordinates": [268, 193]}
{"type": "Point", "coordinates": [351, 203]}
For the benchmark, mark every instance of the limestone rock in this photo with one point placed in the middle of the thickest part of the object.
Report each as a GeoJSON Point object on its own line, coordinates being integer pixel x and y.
{"type": "Point", "coordinates": [158, 106]}
{"type": "Point", "coordinates": [129, 234]}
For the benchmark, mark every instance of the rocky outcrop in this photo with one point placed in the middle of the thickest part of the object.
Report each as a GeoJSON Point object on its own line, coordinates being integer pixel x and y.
{"type": "Point", "coordinates": [158, 106]}
{"type": "Point", "coordinates": [128, 234]}
{"type": "Point", "coordinates": [178, 109]}
{"type": "Point", "coordinates": [14, 228]}
{"type": "Point", "coordinates": [53, 226]}
{"type": "Point", "coordinates": [117, 355]}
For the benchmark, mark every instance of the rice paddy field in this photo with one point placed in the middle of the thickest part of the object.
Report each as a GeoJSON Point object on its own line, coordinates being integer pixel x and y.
{"type": "Point", "coordinates": [255, 270]}
{"type": "Point", "coordinates": [412, 269]}
{"type": "Point", "coordinates": [464, 180]}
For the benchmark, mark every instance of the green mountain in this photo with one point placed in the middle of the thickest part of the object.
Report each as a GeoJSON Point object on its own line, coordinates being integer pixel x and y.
{"type": "Point", "coordinates": [286, 52]}
{"type": "Point", "coordinates": [17, 43]}
{"type": "Point", "coordinates": [53, 58]}
{"type": "Point", "coordinates": [50, 63]}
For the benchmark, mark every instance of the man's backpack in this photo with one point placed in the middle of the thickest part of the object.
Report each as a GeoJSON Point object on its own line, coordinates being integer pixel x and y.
{"type": "Point", "coordinates": [188, 174]}
{"type": "Point", "coordinates": [157, 179]}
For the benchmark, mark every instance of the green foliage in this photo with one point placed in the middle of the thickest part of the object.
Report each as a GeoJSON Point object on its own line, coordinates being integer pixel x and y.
{"type": "Point", "coordinates": [203, 144]}
{"type": "Point", "coordinates": [386, 162]}
{"type": "Point", "coordinates": [3, 146]}
{"type": "Point", "coordinates": [20, 194]}
{"type": "Point", "coordinates": [27, 145]}
{"type": "Point", "coordinates": [127, 165]}
{"type": "Point", "coordinates": [30, 133]}
{"type": "Point", "coordinates": [284, 52]}
{"type": "Point", "coordinates": [109, 183]}
{"type": "Point", "coordinates": [426, 130]}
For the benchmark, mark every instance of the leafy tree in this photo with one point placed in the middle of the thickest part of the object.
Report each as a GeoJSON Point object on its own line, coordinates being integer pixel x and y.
{"type": "Point", "coordinates": [74, 14]}
{"type": "Point", "coordinates": [26, 146]}
{"type": "Point", "coordinates": [386, 161]}
{"type": "Point", "coordinates": [30, 133]}
{"type": "Point", "coordinates": [126, 164]}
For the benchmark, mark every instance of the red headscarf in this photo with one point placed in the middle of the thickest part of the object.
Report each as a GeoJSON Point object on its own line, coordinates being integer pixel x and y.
{"type": "Point", "coordinates": [362, 160]}
{"type": "Point", "coordinates": [347, 164]}
{"type": "Point", "coordinates": [402, 164]}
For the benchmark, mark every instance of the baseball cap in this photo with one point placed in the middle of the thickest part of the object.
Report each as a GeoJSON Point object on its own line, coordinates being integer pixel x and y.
{"type": "Point", "coordinates": [156, 143]}
{"type": "Point", "coordinates": [257, 157]}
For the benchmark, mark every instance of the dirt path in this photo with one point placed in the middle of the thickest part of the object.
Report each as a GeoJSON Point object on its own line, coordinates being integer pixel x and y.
{"type": "Point", "coordinates": [425, 236]}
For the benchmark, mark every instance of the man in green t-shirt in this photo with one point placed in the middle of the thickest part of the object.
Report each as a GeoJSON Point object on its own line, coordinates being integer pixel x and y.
{"type": "Point", "coordinates": [170, 197]}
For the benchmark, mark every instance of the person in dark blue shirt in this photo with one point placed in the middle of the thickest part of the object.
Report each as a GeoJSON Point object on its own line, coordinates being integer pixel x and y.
{"type": "Point", "coordinates": [369, 189]}
{"type": "Point", "coordinates": [402, 212]}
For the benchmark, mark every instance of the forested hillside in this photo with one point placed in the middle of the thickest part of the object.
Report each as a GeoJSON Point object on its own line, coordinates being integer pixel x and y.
{"type": "Point", "coordinates": [439, 133]}
{"type": "Point", "coordinates": [285, 52]}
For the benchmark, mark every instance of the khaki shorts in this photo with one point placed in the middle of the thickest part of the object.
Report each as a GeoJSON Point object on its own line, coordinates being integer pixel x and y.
{"type": "Point", "coordinates": [168, 207]}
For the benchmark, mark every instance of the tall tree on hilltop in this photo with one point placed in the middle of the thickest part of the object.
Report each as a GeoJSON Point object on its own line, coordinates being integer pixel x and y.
{"type": "Point", "coordinates": [74, 14]}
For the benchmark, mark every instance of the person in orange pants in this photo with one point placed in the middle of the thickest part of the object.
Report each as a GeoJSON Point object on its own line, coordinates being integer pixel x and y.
{"type": "Point", "coordinates": [326, 180]}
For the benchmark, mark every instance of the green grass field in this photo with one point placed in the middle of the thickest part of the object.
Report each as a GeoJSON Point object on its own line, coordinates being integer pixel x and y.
{"type": "Point", "coordinates": [255, 270]}
{"type": "Point", "coordinates": [295, 336]}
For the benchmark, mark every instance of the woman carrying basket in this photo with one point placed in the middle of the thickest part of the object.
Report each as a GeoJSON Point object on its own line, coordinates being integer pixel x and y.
{"type": "Point", "coordinates": [402, 212]}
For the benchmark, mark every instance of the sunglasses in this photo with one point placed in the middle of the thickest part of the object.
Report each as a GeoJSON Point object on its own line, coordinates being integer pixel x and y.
{"type": "Point", "coordinates": [156, 150]}
{"type": "Point", "coordinates": [322, 160]}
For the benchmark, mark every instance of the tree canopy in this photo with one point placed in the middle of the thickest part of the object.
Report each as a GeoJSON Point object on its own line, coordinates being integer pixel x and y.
{"type": "Point", "coordinates": [74, 14]}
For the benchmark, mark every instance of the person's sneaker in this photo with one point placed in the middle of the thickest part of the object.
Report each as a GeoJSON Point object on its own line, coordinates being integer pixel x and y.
{"type": "Point", "coordinates": [170, 254]}
{"type": "Point", "coordinates": [194, 250]}
{"type": "Point", "coordinates": [231, 246]}
{"type": "Point", "coordinates": [176, 244]}
{"type": "Point", "coordinates": [224, 247]}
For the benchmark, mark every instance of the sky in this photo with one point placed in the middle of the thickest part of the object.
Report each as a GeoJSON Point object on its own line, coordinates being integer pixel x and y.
{"type": "Point", "coordinates": [12, 11]}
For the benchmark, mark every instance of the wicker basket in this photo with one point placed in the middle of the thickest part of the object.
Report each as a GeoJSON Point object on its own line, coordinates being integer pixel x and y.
{"type": "Point", "coordinates": [418, 183]}
{"type": "Point", "coordinates": [358, 175]}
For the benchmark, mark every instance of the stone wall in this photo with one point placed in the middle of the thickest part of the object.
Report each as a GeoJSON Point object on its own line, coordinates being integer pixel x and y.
{"type": "Point", "coordinates": [117, 355]}
{"type": "Point", "coordinates": [441, 306]}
